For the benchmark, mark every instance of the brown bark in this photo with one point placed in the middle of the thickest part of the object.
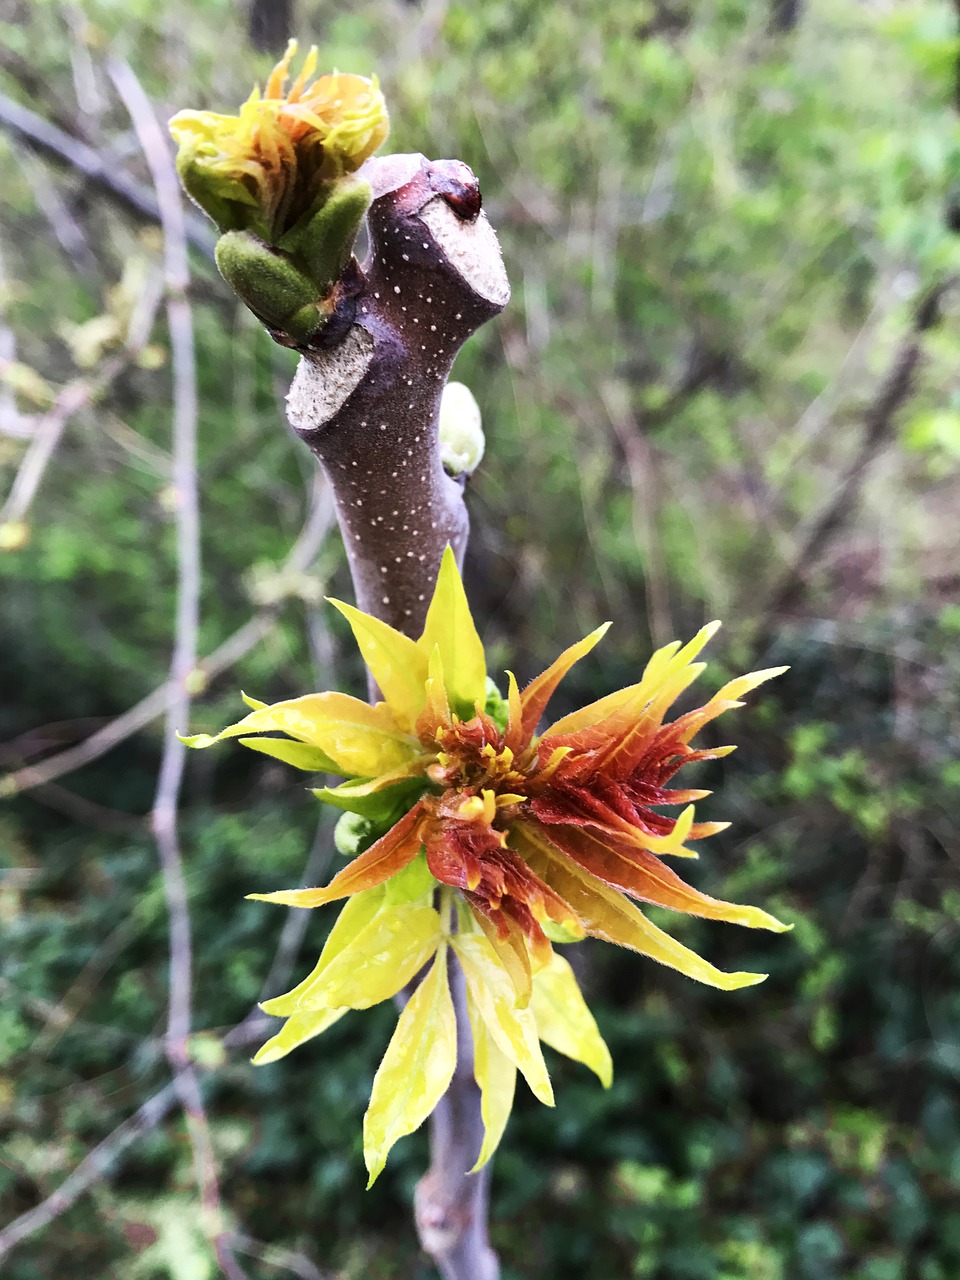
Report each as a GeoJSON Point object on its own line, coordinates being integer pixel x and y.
{"type": "Point", "coordinates": [368, 407]}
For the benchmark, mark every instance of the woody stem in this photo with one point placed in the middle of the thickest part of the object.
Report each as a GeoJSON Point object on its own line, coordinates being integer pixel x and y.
{"type": "Point", "coordinates": [368, 407]}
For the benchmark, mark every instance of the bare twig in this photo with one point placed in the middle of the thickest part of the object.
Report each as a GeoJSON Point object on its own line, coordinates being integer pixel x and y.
{"type": "Point", "coordinates": [91, 1169]}
{"type": "Point", "coordinates": [47, 432]}
{"type": "Point", "coordinates": [879, 420]}
{"type": "Point", "coordinates": [99, 1162]}
{"type": "Point", "coordinates": [183, 660]}
{"type": "Point", "coordinates": [318, 524]}
{"type": "Point", "coordinates": [77, 395]}
{"type": "Point", "coordinates": [284, 1259]}
{"type": "Point", "coordinates": [98, 170]}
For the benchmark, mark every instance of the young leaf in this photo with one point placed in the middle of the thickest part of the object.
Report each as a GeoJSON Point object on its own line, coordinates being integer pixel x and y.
{"type": "Point", "coordinates": [496, 1076]}
{"type": "Point", "coordinates": [609, 915]}
{"type": "Point", "coordinates": [363, 740]}
{"type": "Point", "coordinates": [493, 992]}
{"type": "Point", "coordinates": [377, 963]}
{"type": "Point", "coordinates": [450, 626]}
{"type": "Point", "coordinates": [357, 913]}
{"type": "Point", "coordinates": [295, 1032]}
{"type": "Point", "coordinates": [300, 754]}
{"type": "Point", "coordinates": [565, 1023]}
{"type": "Point", "coordinates": [397, 663]}
{"type": "Point", "coordinates": [416, 1069]}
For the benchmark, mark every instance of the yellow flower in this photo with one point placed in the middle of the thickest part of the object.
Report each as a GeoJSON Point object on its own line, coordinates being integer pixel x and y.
{"type": "Point", "coordinates": [268, 169]}
{"type": "Point", "coordinates": [494, 841]}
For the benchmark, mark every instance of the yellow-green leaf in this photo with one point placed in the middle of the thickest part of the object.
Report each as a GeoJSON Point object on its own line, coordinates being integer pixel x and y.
{"type": "Point", "coordinates": [379, 961]}
{"type": "Point", "coordinates": [356, 914]}
{"type": "Point", "coordinates": [416, 1069]}
{"type": "Point", "coordinates": [300, 754]}
{"type": "Point", "coordinates": [395, 661]}
{"type": "Point", "coordinates": [496, 1076]}
{"type": "Point", "coordinates": [295, 1032]}
{"type": "Point", "coordinates": [540, 690]}
{"type": "Point", "coordinates": [450, 626]}
{"type": "Point", "coordinates": [565, 1023]}
{"type": "Point", "coordinates": [494, 994]}
{"type": "Point", "coordinates": [361, 739]}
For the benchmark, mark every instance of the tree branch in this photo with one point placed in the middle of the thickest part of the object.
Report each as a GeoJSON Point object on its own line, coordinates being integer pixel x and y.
{"type": "Point", "coordinates": [368, 407]}
{"type": "Point", "coordinates": [183, 660]}
{"type": "Point", "coordinates": [101, 172]}
{"type": "Point", "coordinates": [879, 420]}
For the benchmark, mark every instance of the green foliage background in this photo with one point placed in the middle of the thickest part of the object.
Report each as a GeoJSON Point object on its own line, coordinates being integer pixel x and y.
{"type": "Point", "coordinates": [717, 230]}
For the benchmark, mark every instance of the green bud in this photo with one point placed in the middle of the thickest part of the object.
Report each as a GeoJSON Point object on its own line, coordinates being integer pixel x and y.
{"type": "Point", "coordinates": [557, 932]}
{"type": "Point", "coordinates": [353, 834]}
{"type": "Point", "coordinates": [496, 706]}
{"type": "Point", "coordinates": [277, 293]}
{"type": "Point", "coordinates": [322, 245]}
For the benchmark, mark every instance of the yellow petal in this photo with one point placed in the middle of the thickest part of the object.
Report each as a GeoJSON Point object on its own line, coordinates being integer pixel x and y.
{"type": "Point", "coordinates": [609, 915]}
{"type": "Point", "coordinates": [450, 626]}
{"type": "Point", "coordinates": [496, 1076]}
{"type": "Point", "coordinates": [416, 1069]}
{"type": "Point", "coordinates": [295, 1032]}
{"type": "Point", "coordinates": [396, 663]}
{"type": "Point", "coordinates": [493, 992]}
{"type": "Point", "coordinates": [565, 1023]}
{"type": "Point", "coordinates": [383, 957]}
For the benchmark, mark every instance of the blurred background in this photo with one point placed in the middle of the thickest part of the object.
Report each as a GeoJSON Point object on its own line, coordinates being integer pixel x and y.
{"type": "Point", "coordinates": [728, 385]}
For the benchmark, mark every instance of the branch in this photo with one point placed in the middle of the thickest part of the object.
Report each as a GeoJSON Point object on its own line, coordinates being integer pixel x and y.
{"type": "Point", "coordinates": [894, 392]}
{"type": "Point", "coordinates": [101, 172]}
{"type": "Point", "coordinates": [368, 407]}
{"type": "Point", "coordinates": [183, 660]}
{"type": "Point", "coordinates": [150, 708]}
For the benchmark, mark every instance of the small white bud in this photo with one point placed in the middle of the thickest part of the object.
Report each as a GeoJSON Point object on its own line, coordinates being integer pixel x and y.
{"type": "Point", "coordinates": [461, 431]}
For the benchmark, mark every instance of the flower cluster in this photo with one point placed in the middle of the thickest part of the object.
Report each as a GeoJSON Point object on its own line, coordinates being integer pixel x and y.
{"type": "Point", "coordinates": [268, 169]}
{"type": "Point", "coordinates": [482, 837]}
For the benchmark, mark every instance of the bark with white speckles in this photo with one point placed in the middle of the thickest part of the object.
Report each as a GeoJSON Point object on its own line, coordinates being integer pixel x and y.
{"type": "Point", "coordinates": [368, 407]}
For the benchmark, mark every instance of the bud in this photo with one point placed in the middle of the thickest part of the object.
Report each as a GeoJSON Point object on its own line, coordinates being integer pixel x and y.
{"type": "Point", "coordinates": [269, 169]}
{"type": "Point", "coordinates": [277, 179]}
{"type": "Point", "coordinates": [461, 431]}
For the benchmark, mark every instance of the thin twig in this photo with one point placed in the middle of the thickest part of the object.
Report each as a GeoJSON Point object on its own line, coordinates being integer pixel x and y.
{"type": "Point", "coordinates": [879, 419]}
{"type": "Point", "coordinates": [91, 1169]}
{"type": "Point", "coordinates": [76, 395]}
{"type": "Point", "coordinates": [97, 1163]}
{"type": "Point", "coordinates": [183, 660]}
{"type": "Point", "coordinates": [100, 171]}
{"type": "Point", "coordinates": [47, 432]}
{"type": "Point", "coordinates": [286, 1259]}
{"type": "Point", "coordinates": [318, 524]}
